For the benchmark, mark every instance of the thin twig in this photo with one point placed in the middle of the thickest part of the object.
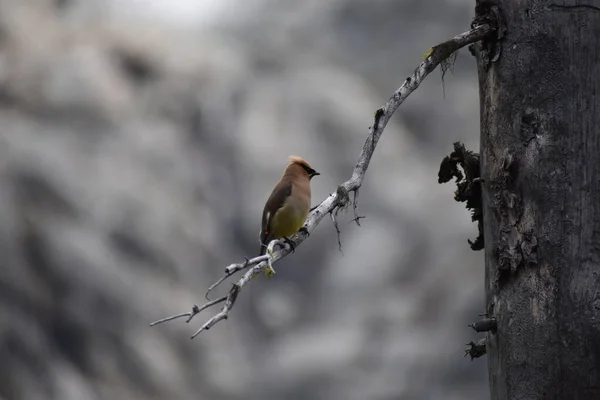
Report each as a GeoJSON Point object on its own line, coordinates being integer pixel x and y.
{"type": "Point", "coordinates": [335, 200]}
{"type": "Point", "coordinates": [333, 214]}
{"type": "Point", "coordinates": [187, 314]}
{"type": "Point", "coordinates": [214, 285]}
{"type": "Point", "coordinates": [355, 207]}
{"type": "Point", "coordinates": [195, 310]}
{"type": "Point", "coordinates": [230, 300]}
{"type": "Point", "coordinates": [359, 217]}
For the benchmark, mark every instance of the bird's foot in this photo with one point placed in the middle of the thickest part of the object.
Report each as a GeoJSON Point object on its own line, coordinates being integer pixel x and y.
{"type": "Point", "coordinates": [303, 229]}
{"type": "Point", "coordinates": [292, 245]}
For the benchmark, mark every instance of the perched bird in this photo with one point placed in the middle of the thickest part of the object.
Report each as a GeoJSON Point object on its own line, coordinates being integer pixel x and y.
{"type": "Point", "coordinates": [287, 208]}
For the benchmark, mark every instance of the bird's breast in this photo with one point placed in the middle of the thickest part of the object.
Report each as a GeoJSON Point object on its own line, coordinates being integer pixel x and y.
{"type": "Point", "coordinates": [291, 217]}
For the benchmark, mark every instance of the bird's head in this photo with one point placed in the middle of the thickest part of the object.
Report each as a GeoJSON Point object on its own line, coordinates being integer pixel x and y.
{"type": "Point", "coordinates": [299, 161]}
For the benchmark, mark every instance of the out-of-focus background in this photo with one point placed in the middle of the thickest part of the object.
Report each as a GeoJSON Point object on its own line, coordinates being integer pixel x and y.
{"type": "Point", "coordinates": [139, 140]}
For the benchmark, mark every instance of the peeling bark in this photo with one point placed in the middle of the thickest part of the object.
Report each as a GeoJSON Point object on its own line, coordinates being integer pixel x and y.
{"type": "Point", "coordinates": [468, 185]}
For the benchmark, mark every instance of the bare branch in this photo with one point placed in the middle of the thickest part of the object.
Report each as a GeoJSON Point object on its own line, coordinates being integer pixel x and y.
{"type": "Point", "coordinates": [340, 199]}
{"type": "Point", "coordinates": [233, 268]}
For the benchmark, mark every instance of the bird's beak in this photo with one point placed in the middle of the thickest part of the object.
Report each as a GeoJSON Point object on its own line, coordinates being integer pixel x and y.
{"type": "Point", "coordinates": [315, 174]}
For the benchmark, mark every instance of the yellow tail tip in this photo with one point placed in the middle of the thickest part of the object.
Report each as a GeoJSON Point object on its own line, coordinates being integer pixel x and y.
{"type": "Point", "coordinates": [269, 272]}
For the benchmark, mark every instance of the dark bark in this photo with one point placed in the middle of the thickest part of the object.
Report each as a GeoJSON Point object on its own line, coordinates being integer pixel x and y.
{"type": "Point", "coordinates": [540, 154]}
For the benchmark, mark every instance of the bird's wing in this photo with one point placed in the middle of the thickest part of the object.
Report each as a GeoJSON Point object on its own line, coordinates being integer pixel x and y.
{"type": "Point", "coordinates": [278, 197]}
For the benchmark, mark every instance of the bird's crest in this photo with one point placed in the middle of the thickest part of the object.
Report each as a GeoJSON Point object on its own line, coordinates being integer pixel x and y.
{"type": "Point", "coordinates": [299, 160]}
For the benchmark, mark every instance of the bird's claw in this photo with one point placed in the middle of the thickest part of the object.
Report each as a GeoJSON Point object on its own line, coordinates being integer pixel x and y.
{"type": "Point", "coordinates": [292, 245]}
{"type": "Point", "coordinates": [305, 230]}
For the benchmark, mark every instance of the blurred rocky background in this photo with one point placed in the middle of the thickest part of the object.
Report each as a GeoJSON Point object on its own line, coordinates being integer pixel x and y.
{"type": "Point", "coordinates": [139, 140]}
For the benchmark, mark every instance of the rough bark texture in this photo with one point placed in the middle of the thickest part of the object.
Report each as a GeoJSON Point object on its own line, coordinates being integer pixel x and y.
{"type": "Point", "coordinates": [540, 152]}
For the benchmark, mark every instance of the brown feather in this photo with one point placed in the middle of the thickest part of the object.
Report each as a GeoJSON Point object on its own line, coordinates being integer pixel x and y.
{"type": "Point", "coordinates": [278, 197]}
{"type": "Point", "coordinates": [288, 205]}
{"type": "Point", "coordinates": [299, 160]}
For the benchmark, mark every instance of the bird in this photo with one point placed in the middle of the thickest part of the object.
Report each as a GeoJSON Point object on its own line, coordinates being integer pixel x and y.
{"type": "Point", "coordinates": [288, 205]}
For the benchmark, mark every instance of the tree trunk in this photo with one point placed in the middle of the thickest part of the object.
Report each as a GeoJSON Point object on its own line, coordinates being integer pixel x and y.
{"type": "Point", "coordinates": [540, 154]}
